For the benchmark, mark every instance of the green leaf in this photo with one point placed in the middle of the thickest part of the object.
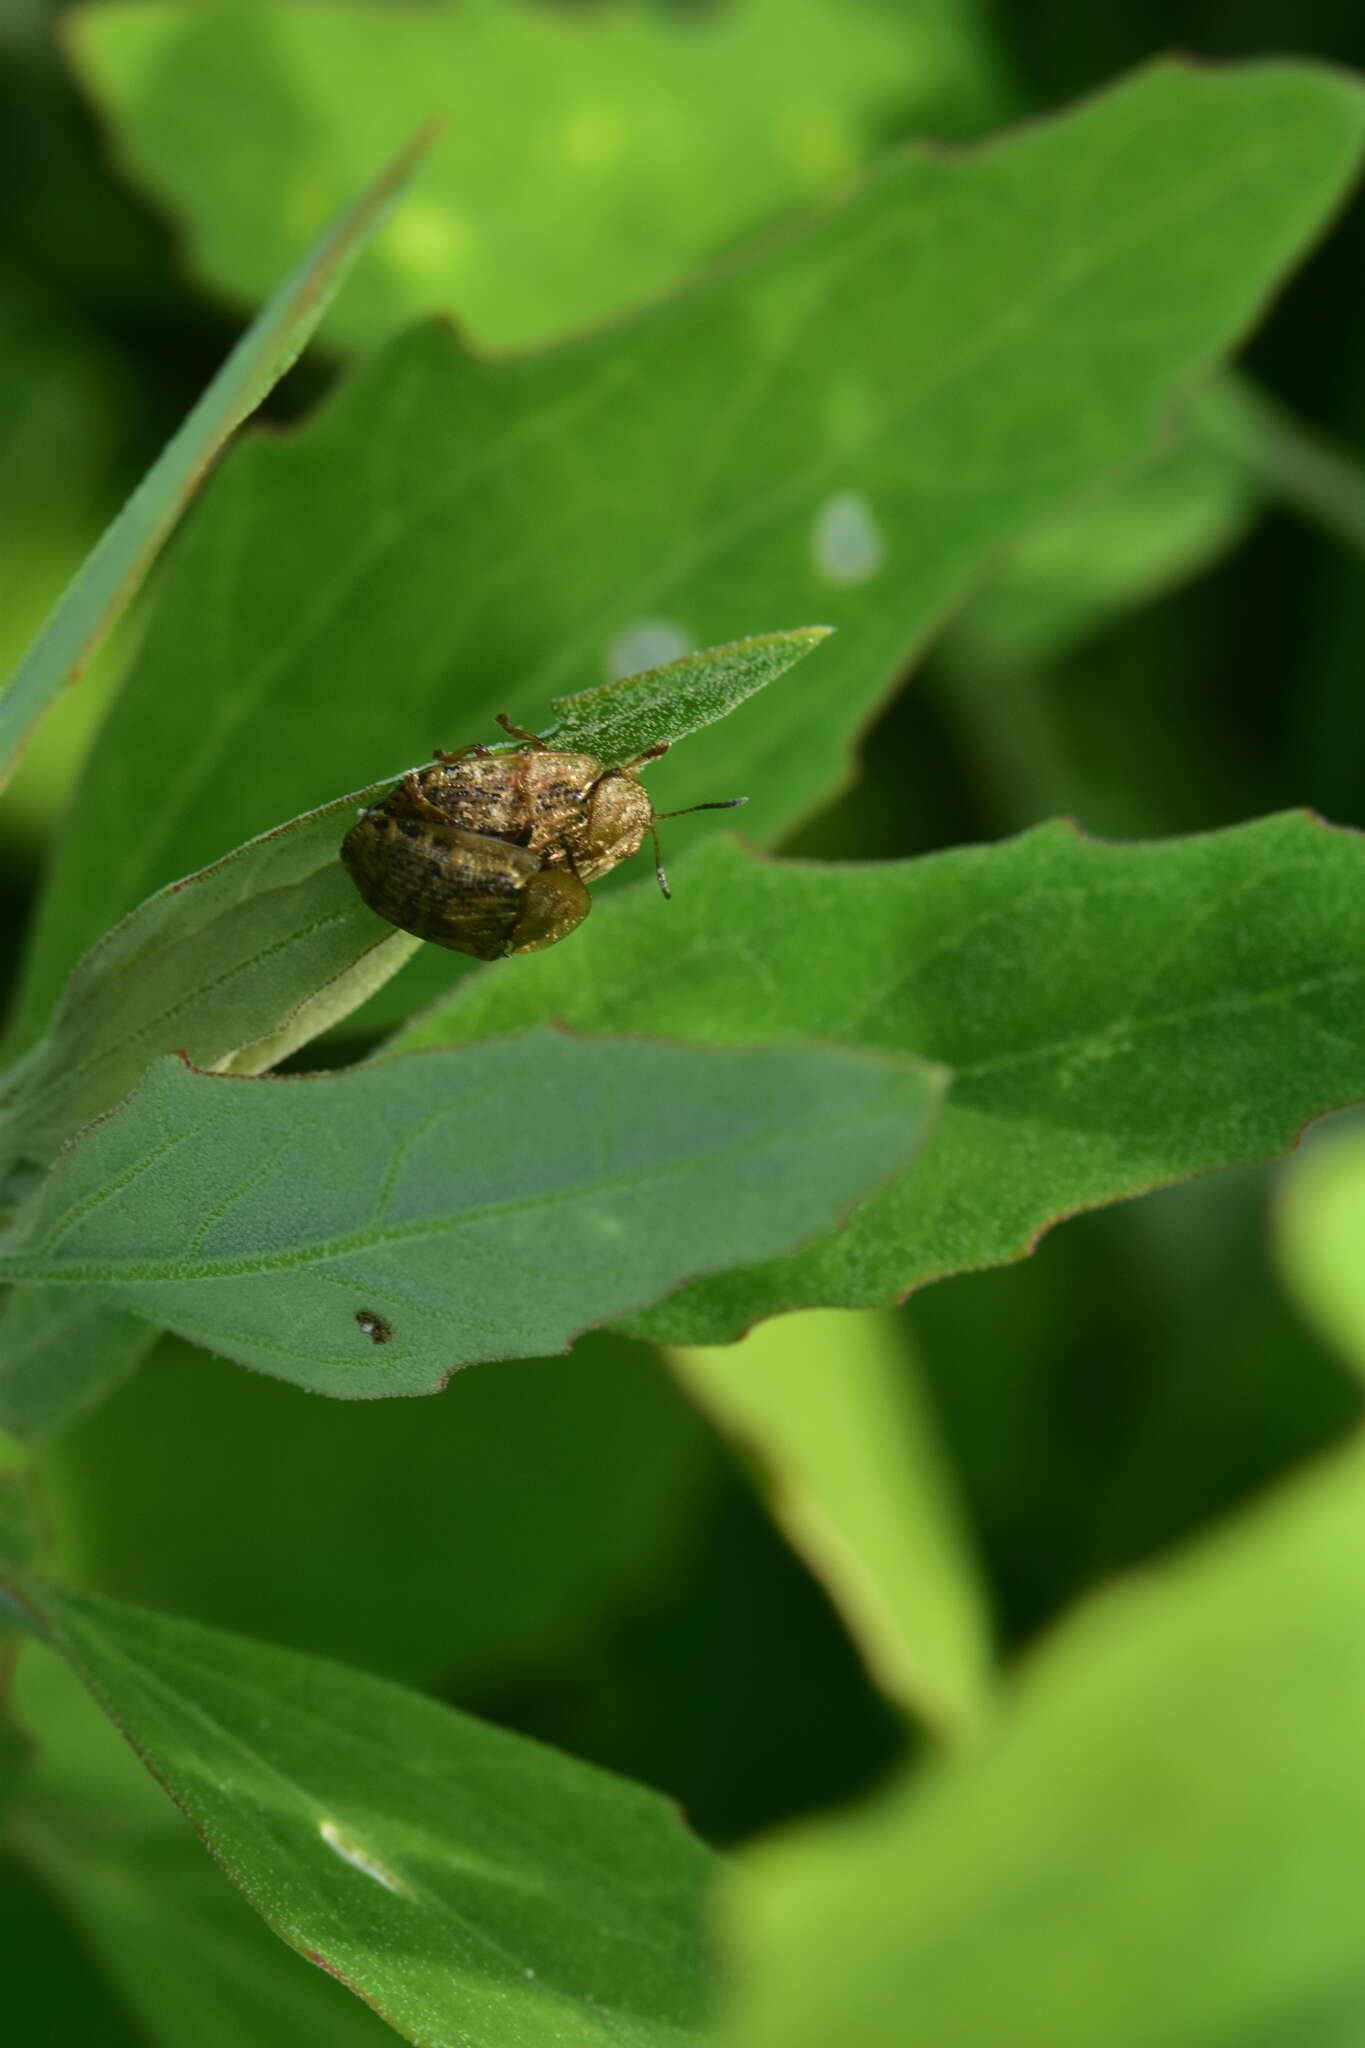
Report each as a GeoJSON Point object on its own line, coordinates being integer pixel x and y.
{"type": "Point", "coordinates": [467, 1883]}
{"type": "Point", "coordinates": [177, 1939]}
{"type": "Point", "coordinates": [109, 577]}
{"type": "Point", "coordinates": [580, 1486]}
{"type": "Point", "coordinates": [1289, 461]}
{"type": "Point", "coordinates": [849, 427]}
{"type": "Point", "coordinates": [618, 720]}
{"type": "Point", "coordinates": [235, 967]}
{"type": "Point", "coordinates": [589, 160]}
{"type": "Point", "coordinates": [1122, 547]}
{"type": "Point", "coordinates": [1112, 1017]}
{"type": "Point", "coordinates": [1321, 1230]}
{"type": "Point", "coordinates": [241, 964]}
{"type": "Point", "coordinates": [61, 1352]}
{"type": "Point", "coordinates": [20, 1519]}
{"type": "Point", "coordinates": [70, 422]}
{"type": "Point", "coordinates": [366, 1233]}
{"type": "Point", "coordinates": [55, 1993]}
{"type": "Point", "coordinates": [1159, 1847]}
{"type": "Point", "coordinates": [827, 1406]}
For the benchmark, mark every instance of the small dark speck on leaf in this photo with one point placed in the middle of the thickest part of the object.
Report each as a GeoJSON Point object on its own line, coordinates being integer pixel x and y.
{"type": "Point", "coordinates": [375, 1328]}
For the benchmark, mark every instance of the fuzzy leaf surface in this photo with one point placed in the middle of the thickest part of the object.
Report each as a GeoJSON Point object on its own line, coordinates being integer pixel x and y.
{"type": "Point", "coordinates": [848, 427]}
{"type": "Point", "coordinates": [475, 1203]}
{"type": "Point", "coordinates": [184, 1949]}
{"type": "Point", "coordinates": [1112, 1017]}
{"type": "Point", "coordinates": [239, 965]}
{"type": "Point", "coordinates": [468, 1883]}
{"type": "Point", "coordinates": [618, 720]}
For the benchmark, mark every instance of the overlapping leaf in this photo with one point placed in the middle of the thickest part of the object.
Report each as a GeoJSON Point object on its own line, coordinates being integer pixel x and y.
{"type": "Point", "coordinates": [234, 967]}
{"type": "Point", "coordinates": [183, 1948]}
{"type": "Point", "coordinates": [1126, 546]}
{"type": "Point", "coordinates": [239, 965]}
{"type": "Point", "coordinates": [1112, 1016]}
{"type": "Point", "coordinates": [827, 1408]}
{"type": "Point", "coordinates": [1321, 1219]}
{"type": "Point", "coordinates": [63, 473]}
{"type": "Point", "coordinates": [469, 1884]}
{"type": "Point", "coordinates": [848, 428]}
{"type": "Point", "coordinates": [589, 161]}
{"type": "Point", "coordinates": [366, 1233]}
{"type": "Point", "coordinates": [61, 1351]}
{"type": "Point", "coordinates": [1159, 1846]}
{"type": "Point", "coordinates": [105, 583]}
{"type": "Point", "coordinates": [577, 1485]}
{"type": "Point", "coordinates": [617, 720]}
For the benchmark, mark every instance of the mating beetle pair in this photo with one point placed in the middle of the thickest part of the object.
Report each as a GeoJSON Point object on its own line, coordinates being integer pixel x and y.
{"type": "Point", "coordinates": [491, 854]}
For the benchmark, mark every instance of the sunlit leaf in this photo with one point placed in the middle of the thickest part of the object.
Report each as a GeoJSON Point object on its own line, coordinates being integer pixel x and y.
{"type": "Point", "coordinates": [1321, 1218]}
{"type": "Point", "coordinates": [826, 1407]}
{"type": "Point", "coordinates": [590, 159]}
{"type": "Point", "coordinates": [1158, 1847]}
{"type": "Point", "coordinates": [183, 1948]}
{"type": "Point", "coordinates": [466, 1882]}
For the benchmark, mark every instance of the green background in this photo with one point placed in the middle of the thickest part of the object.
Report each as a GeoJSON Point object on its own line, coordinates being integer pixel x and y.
{"type": "Point", "coordinates": [582, 1549]}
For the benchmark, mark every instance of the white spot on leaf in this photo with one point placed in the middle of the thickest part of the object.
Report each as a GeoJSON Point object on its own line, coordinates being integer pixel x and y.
{"type": "Point", "coordinates": [846, 539]}
{"type": "Point", "coordinates": [646, 643]}
{"type": "Point", "coordinates": [345, 1845]}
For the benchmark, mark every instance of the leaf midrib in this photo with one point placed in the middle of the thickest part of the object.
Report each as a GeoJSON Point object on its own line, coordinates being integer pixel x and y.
{"type": "Point", "coordinates": [370, 1238]}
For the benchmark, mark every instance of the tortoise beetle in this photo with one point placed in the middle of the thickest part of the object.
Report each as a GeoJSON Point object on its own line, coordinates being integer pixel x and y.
{"type": "Point", "coordinates": [491, 854]}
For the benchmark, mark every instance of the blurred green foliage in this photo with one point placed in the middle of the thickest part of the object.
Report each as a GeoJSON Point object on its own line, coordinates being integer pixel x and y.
{"type": "Point", "coordinates": [664, 137]}
{"type": "Point", "coordinates": [569, 1548]}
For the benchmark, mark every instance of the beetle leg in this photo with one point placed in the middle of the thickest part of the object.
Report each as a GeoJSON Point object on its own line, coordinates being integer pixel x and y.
{"type": "Point", "coordinates": [653, 753]}
{"type": "Point", "coordinates": [659, 863]}
{"type": "Point", "coordinates": [419, 799]}
{"type": "Point", "coordinates": [629, 767]}
{"type": "Point", "coordinates": [518, 732]}
{"type": "Point", "coordinates": [565, 847]}
{"type": "Point", "coordinates": [461, 753]}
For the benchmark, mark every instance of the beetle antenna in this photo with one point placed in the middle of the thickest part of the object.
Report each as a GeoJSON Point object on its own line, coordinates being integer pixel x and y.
{"type": "Point", "coordinates": [659, 861]}
{"type": "Point", "coordinates": [519, 732]}
{"type": "Point", "coordinates": [727, 803]}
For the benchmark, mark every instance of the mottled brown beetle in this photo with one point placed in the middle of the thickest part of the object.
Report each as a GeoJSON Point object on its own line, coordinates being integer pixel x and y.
{"type": "Point", "coordinates": [491, 854]}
